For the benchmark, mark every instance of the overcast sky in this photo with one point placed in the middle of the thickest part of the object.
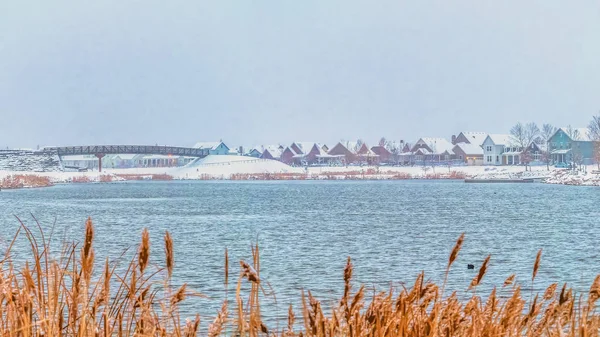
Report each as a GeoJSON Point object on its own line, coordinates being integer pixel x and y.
{"type": "Point", "coordinates": [258, 72]}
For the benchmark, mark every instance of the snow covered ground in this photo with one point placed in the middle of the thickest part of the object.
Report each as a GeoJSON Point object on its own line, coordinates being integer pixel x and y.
{"type": "Point", "coordinates": [27, 160]}
{"type": "Point", "coordinates": [477, 172]}
{"type": "Point", "coordinates": [567, 177]}
{"type": "Point", "coordinates": [226, 167]}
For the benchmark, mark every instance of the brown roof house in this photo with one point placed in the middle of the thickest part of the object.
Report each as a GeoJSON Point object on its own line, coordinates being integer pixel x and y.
{"type": "Point", "coordinates": [272, 152]}
{"type": "Point", "coordinates": [354, 153]}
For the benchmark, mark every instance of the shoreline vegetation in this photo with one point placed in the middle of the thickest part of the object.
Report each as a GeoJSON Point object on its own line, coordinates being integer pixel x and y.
{"type": "Point", "coordinates": [24, 181]}
{"type": "Point", "coordinates": [63, 296]}
{"type": "Point", "coordinates": [563, 177]}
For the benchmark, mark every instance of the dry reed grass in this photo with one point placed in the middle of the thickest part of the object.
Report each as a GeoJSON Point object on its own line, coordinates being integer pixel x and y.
{"type": "Point", "coordinates": [48, 297]}
{"type": "Point", "coordinates": [21, 181]}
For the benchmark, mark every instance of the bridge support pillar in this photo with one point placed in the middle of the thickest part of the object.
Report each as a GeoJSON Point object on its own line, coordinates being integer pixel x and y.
{"type": "Point", "coordinates": [100, 156]}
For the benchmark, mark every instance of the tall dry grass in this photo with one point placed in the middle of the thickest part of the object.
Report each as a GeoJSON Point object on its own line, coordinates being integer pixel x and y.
{"type": "Point", "coordinates": [24, 180]}
{"type": "Point", "coordinates": [81, 295]}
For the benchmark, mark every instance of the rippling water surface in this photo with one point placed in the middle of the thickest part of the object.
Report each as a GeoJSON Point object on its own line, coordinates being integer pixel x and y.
{"type": "Point", "coordinates": [392, 230]}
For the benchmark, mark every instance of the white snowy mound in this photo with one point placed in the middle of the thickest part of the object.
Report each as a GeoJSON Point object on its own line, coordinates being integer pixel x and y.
{"type": "Point", "coordinates": [224, 166]}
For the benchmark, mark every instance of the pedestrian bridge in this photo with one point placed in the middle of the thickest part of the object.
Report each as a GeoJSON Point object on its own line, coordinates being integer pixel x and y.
{"type": "Point", "coordinates": [101, 150]}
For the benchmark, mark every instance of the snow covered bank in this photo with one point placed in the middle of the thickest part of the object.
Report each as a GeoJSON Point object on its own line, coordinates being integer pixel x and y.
{"type": "Point", "coordinates": [65, 177]}
{"type": "Point", "coordinates": [569, 177]}
{"type": "Point", "coordinates": [248, 168]}
{"type": "Point", "coordinates": [514, 172]}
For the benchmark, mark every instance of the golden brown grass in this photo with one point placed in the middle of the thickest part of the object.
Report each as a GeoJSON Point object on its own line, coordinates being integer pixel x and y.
{"type": "Point", "coordinates": [65, 297]}
{"type": "Point", "coordinates": [21, 181]}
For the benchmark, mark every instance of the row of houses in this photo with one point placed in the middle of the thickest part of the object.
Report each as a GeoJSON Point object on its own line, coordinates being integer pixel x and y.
{"type": "Point", "coordinates": [565, 146]}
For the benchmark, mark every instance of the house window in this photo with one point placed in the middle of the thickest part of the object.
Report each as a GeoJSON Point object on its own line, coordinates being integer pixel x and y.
{"type": "Point", "coordinates": [488, 148]}
{"type": "Point", "coordinates": [497, 159]}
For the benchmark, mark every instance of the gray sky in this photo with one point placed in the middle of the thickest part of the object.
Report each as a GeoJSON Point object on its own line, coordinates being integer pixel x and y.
{"type": "Point", "coordinates": [256, 72]}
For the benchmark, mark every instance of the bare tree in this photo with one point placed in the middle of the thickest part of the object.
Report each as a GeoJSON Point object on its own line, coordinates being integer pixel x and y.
{"type": "Point", "coordinates": [594, 133]}
{"type": "Point", "coordinates": [594, 127]}
{"type": "Point", "coordinates": [573, 133]}
{"type": "Point", "coordinates": [395, 150]}
{"type": "Point", "coordinates": [596, 153]}
{"type": "Point", "coordinates": [517, 134]}
{"type": "Point", "coordinates": [523, 136]}
{"type": "Point", "coordinates": [576, 154]}
{"type": "Point", "coordinates": [546, 133]}
{"type": "Point", "coordinates": [383, 142]}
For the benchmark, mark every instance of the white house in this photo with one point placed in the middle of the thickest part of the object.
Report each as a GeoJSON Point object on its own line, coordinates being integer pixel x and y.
{"type": "Point", "coordinates": [494, 146]}
{"type": "Point", "coordinates": [214, 148]}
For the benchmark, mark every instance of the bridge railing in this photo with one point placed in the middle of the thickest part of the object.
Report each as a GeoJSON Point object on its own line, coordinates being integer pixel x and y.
{"type": "Point", "coordinates": [126, 149]}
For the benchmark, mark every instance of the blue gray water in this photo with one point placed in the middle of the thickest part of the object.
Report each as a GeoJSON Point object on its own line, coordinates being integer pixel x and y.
{"type": "Point", "coordinates": [305, 230]}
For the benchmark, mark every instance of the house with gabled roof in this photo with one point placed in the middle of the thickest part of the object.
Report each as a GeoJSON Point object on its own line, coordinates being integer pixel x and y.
{"type": "Point", "coordinates": [571, 145]}
{"type": "Point", "coordinates": [272, 152]}
{"type": "Point", "coordinates": [384, 154]}
{"type": "Point", "coordinates": [468, 137]}
{"type": "Point", "coordinates": [354, 153]}
{"type": "Point", "coordinates": [253, 151]}
{"type": "Point", "coordinates": [435, 150]}
{"type": "Point", "coordinates": [307, 154]}
{"type": "Point", "coordinates": [214, 148]}
{"type": "Point", "coordinates": [494, 146]}
{"type": "Point", "coordinates": [536, 152]}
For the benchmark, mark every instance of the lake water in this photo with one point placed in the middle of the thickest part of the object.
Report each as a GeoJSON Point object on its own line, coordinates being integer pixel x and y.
{"type": "Point", "coordinates": [305, 230]}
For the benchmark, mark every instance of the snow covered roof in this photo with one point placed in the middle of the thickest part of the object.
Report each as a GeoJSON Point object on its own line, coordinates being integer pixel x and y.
{"type": "Point", "coordinates": [476, 138]}
{"type": "Point", "coordinates": [207, 145]}
{"type": "Point", "coordinates": [422, 151]}
{"type": "Point", "coordinates": [437, 145]}
{"type": "Point", "coordinates": [274, 150]}
{"type": "Point", "coordinates": [501, 139]}
{"type": "Point", "coordinates": [305, 147]}
{"type": "Point", "coordinates": [470, 148]}
{"type": "Point", "coordinates": [321, 151]}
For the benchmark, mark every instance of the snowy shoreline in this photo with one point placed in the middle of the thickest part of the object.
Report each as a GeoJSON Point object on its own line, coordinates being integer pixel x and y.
{"type": "Point", "coordinates": [245, 168]}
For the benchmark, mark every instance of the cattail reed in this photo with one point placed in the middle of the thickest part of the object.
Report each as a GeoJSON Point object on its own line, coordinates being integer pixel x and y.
{"type": "Point", "coordinates": [144, 251]}
{"type": "Point", "coordinates": [226, 268]}
{"type": "Point", "coordinates": [509, 280]}
{"type": "Point", "coordinates": [179, 295]}
{"type": "Point", "coordinates": [477, 280]}
{"type": "Point", "coordinates": [455, 250]}
{"type": "Point", "coordinates": [63, 297]}
{"type": "Point", "coordinates": [536, 265]}
{"type": "Point", "coordinates": [216, 328]}
{"type": "Point", "coordinates": [550, 291]}
{"type": "Point", "coordinates": [594, 293]}
{"type": "Point", "coordinates": [169, 254]}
